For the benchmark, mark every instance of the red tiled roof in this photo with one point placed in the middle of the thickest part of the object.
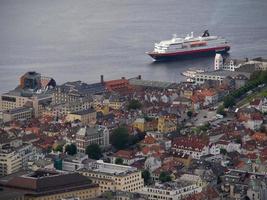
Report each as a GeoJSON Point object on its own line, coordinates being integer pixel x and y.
{"type": "Point", "coordinates": [125, 154]}
{"type": "Point", "coordinates": [149, 140]}
{"type": "Point", "coordinates": [190, 143]}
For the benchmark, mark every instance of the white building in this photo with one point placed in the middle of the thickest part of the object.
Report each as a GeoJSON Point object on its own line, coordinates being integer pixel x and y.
{"type": "Point", "coordinates": [74, 163]}
{"type": "Point", "coordinates": [218, 61]}
{"type": "Point", "coordinates": [194, 147]}
{"type": "Point", "coordinates": [171, 190]}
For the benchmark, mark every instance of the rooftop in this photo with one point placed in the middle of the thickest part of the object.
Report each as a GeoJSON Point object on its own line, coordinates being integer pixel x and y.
{"type": "Point", "coordinates": [147, 83]}
{"type": "Point", "coordinates": [111, 169]}
{"type": "Point", "coordinates": [223, 73]}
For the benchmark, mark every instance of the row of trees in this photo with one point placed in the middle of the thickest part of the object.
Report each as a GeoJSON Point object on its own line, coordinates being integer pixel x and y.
{"type": "Point", "coordinates": [257, 78]}
{"type": "Point", "coordinates": [93, 150]}
{"type": "Point", "coordinates": [163, 177]}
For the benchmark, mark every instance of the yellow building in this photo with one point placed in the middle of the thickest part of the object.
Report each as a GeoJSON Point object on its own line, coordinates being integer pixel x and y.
{"type": "Point", "coordinates": [140, 124]}
{"type": "Point", "coordinates": [167, 124]}
{"type": "Point", "coordinates": [113, 177]}
{"type": "Point", "coordinates": [10, 162]}
{"type": "Point", "coordinates": [50, 185]}
{"type": "Point", "coordinates": [104, 109]}
{"type": "Point", "coordinates": [87, 117]}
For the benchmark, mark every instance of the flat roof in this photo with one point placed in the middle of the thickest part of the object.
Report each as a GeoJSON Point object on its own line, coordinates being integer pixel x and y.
{"type": "Point", "coordinates": [148, 83]}
{"type": "Point", "coordinates": [17, 110]}
{"type": "Point", "coordinates": [224, 73]}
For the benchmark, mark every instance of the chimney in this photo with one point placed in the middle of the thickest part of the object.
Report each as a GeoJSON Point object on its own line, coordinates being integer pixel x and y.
{"type": "Point", "coordinates": [102, 79]}
{"type": "Point", "coordinates": [139, 77]}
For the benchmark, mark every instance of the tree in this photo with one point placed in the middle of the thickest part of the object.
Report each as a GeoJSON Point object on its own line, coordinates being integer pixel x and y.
{"type": "Point", "coordinates": [134, 104]}
{"type": "Point", "coordinates": [59, 148]}
{"type": "Point", "coordinates": [120, 138]}
{"type": "Point", "coordinates": [119, 161]}
{"type": "Point", "coordinates": [189, 113]}
{"type": "Point", "coordinates": [146, 176]}
{"type": "Point", "coordinates": [223, 151]}
{"type": "Point", "coordinates": [229, 101]}
{"type": "Point", "coordinates": [164, 177]}
{"type": "Point", "coordinates": [94, 151]}
{"type": "Point", "coordinates": [71, 149]}
{"type": "Point", "coordinates": [221, 111]}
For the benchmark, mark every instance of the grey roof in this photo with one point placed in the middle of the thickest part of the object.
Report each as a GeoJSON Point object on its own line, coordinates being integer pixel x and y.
{"type": "Point", "coordinates": [82, 89]}
{"type": "Point", "coordinates": [147, 83]}
{"type": "Point", "coordinates": [84, 112]}
{"type": "Point", "coordinates": [224, 73]}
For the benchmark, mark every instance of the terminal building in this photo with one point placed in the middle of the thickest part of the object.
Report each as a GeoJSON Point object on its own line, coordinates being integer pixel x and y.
{"type": "Point", "coordinates": [34, 91]}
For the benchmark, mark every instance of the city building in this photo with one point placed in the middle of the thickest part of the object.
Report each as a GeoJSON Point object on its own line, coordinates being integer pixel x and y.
{"type": "Point", "coordinates": [193, 146]}
{"type": "Point", "coordinates": [10, 162]}
{"type": "Point", "coordinates": [92, 135]}
{"type": "Point", "coordinates": [73, 91]}
{"type": "Point", "coordinates": [22, 113]}
{"type": "Point", "coordinates": [179, 189]}
{"type": "Point", "coordinates": [218, 75]}
{"type": "Point", "coordinates": [70, 107]}
{"type": "Point", "coordinates": [47, 184]}
{"type": "Point", "coordinates": [167, 123]}
{"type": "Point", "coordinates": [74, 163]}
{"type": "Point", "coordinates": [113, 177]}
{"type": "Point", "coordinates": [86, 117]}
{"type": "Point", "coordinates": [34, 91]}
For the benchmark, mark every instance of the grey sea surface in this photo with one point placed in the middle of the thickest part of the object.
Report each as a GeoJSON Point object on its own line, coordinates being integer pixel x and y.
{"type": "Point", "coordinates": [82, 39]}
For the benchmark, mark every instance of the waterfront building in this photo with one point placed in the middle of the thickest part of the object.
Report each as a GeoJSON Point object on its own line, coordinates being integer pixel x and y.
{"type": "Point", "coordinates": [91, 135]}
{"type": "Point", "coordinates": [218, 75]}
{"type": "Point", "coordinates": [73, 91]}
{"type": "Point", "coordinates": [113, 177]}
{"type": "Point", "coordinates": [34, 91]}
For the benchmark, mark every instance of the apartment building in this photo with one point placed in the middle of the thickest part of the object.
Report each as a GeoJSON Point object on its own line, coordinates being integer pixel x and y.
{"type": "Point", "coordinates": [22, 113]}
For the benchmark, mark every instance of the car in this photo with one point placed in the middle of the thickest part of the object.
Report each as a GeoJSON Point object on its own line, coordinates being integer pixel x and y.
{"type": "Point", "coordinates": [205, 116]}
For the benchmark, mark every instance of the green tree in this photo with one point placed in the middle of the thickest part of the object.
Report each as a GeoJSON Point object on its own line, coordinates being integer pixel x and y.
{"type": "Point", "coordinates": [120, 138]}
{"type": "Point", "coordinates": [164, 177]}
{"type": "Point", "coordinates": [119, 161]}
{"type": "Point", "coordinates": [94, 151]}
{"type": "Point", "coordinates": [229, 101]}
{"type": "Point", "coordinates": [189, 113]}
{"type": "Point", "coordinates": [221, 111]}
{"type": "Point", "coordinates": [146, 176]}
{"type": "Point", "coordinates": [134, 104]}
{"type": "Point", "coordinates": [71, 149]}
{"type": "Point", "coordinates": [223, 151]}
{"type": "Point", "coordinates": [59, 148]}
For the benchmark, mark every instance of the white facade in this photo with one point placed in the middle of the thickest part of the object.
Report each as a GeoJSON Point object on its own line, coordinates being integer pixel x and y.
{"type": "Point", "coordinates": [173, 190]}
{"type": "Point", "coordinates": [218, 61]}
{"type": "Point", "coordinates": [74, 163]}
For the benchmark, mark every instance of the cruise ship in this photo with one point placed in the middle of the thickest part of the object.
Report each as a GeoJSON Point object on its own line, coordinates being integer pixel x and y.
{"type": "Point", "coordinates": [191, 46]}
